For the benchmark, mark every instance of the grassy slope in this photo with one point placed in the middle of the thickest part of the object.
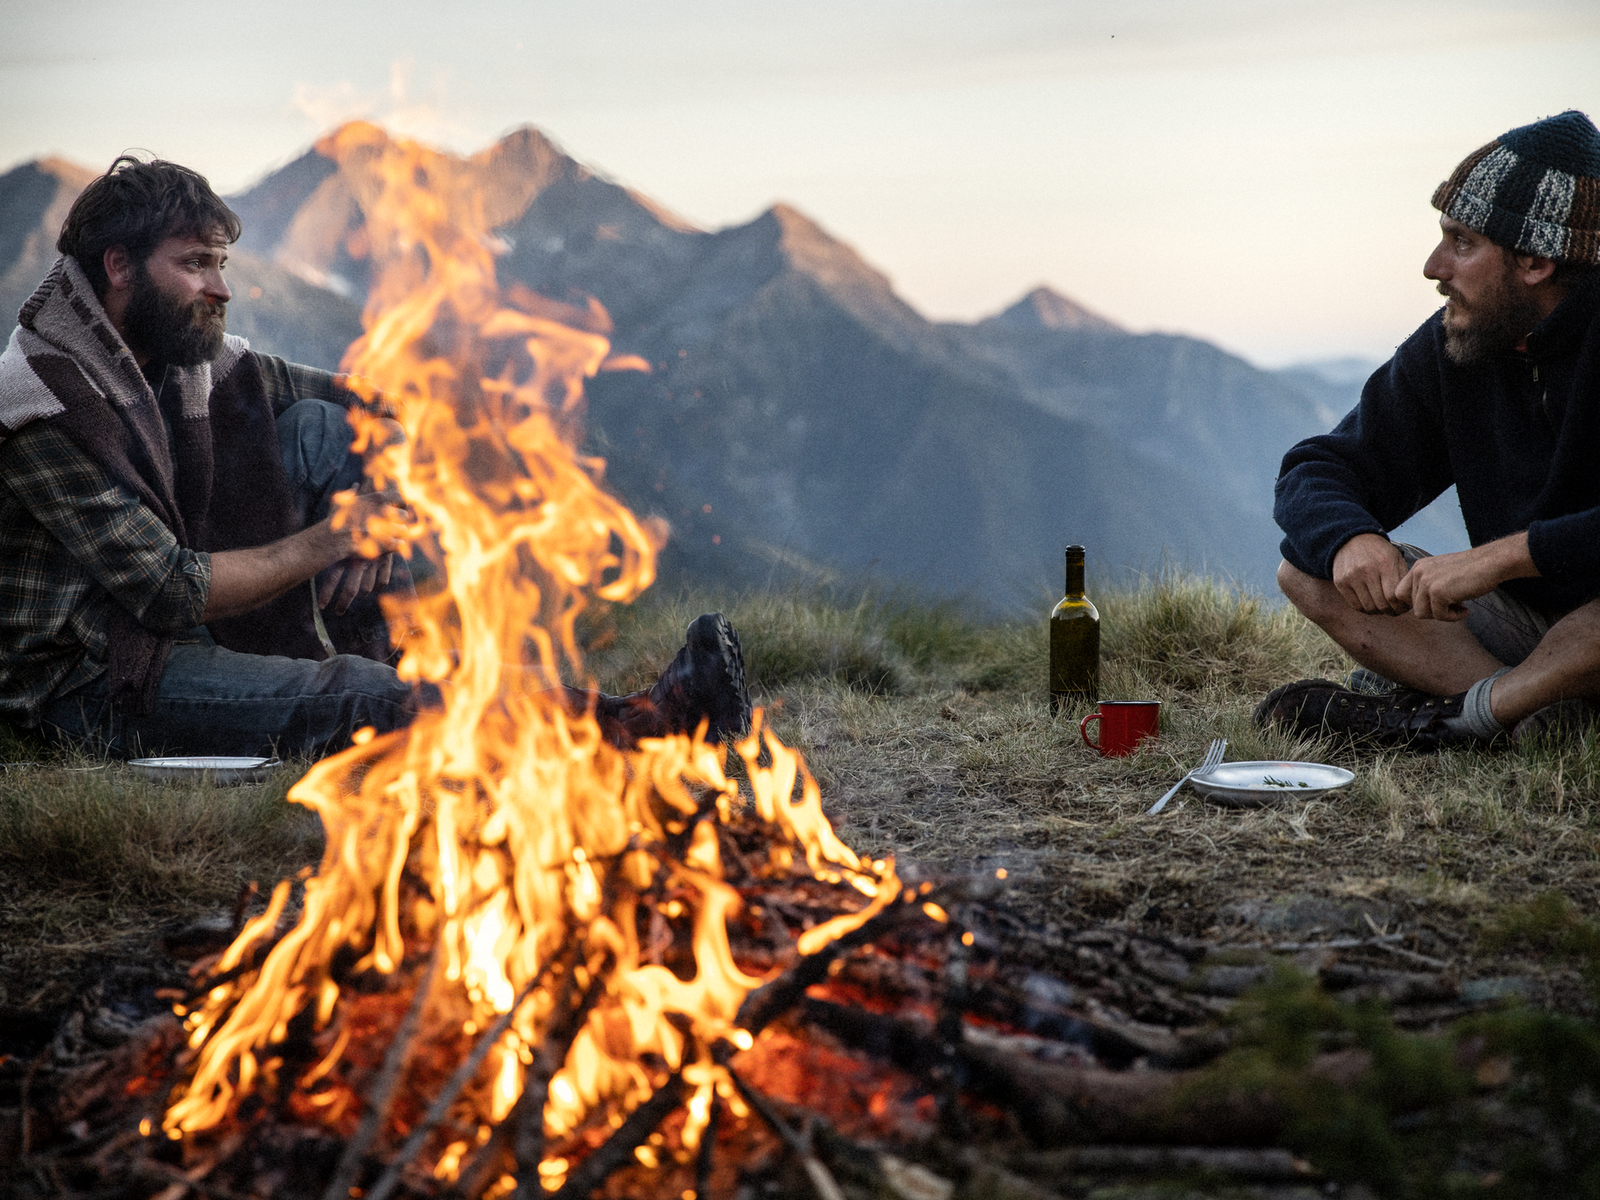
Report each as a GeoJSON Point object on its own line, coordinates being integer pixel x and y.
{"type": "Point", "coordinates": [930, 734]}
{"type": "Point", "coordinates": [932, 738]}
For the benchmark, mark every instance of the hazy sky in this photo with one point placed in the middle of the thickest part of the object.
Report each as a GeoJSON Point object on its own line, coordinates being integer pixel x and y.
{"type": "Point", "coordinates": [1255, 172]}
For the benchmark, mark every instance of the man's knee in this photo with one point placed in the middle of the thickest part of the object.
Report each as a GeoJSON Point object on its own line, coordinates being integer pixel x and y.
{"type": "Point", "coordinates": [1297, 585]}
{"type": "Point", "coordinates": [1317, 599]}
{"type": "Point", "coordinates": [314, 431]}
{"type": "Point", "coordinates": [314, 439]}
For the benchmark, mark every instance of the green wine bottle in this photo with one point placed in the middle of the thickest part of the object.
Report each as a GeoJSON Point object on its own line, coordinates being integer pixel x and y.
{"type": "Point", "coordinates": [1074, 642]}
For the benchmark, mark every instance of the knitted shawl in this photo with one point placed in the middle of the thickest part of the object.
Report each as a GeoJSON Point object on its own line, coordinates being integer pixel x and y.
{"type": "Point", "coordinates": [66, 363]}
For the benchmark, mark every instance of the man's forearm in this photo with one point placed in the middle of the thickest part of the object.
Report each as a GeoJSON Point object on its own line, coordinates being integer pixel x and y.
{"type": "Point", "coordinates": [244, 580]}
{"type": "Point", "coordinates": [363, 525]}
{"type": "Point", "coordinates": [1507, 558]}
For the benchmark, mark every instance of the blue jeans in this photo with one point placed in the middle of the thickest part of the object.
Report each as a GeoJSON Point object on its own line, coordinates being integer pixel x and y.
{"type": "Point", "coordinates": [216, 701]}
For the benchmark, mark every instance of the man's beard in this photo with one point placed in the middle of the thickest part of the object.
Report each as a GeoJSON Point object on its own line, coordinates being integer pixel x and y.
{"type": "Point", "coordinates": [172, 331]}
{"type": "Point", "coordinates": [1498, 320]}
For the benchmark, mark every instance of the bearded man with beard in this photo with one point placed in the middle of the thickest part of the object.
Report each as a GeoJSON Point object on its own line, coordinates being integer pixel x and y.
{"type": "Point", "coordinates": [172, 578]}
{"type": "Point", "coordinates": [1499, 394]}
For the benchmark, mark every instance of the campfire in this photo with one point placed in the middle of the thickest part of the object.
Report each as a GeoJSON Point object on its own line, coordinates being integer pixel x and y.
{"type": "Point", "coordinates": [553, 908]}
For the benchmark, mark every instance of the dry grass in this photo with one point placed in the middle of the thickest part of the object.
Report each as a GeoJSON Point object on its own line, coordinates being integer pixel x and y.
{"type": "Point", "coordinates": [94, 858]}
{"type": "Point", "coordinates": [945, 753]}
{"type": "Point", "coordinates": [930, 734]}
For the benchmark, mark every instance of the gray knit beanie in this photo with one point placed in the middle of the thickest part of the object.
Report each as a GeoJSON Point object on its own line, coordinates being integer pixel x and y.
{"type": "Point", "coordinates": [1535, 190]}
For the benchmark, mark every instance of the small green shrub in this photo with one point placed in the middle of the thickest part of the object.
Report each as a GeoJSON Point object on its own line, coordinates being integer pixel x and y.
{"type": "Point", "coordinates": [1549, 924]}
{"type": "Point", "coordinates": [1355, 1132]}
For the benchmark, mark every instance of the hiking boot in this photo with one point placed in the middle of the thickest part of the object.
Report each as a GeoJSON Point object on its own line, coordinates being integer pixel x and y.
{"type": "Point", "coordinates": [1554, 722]}
{"type": "Point", "coordinates": [1402, 717]}
{"type": "Point", "coordinates": [706, 679]}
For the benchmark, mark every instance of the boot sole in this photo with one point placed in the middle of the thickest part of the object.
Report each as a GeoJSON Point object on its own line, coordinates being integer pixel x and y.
{"type": "Point", "coordinates": [731, 654]}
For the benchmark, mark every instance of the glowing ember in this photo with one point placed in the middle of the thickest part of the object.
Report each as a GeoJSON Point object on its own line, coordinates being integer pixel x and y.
{"type": "Point", "coordinates": [501, 838]}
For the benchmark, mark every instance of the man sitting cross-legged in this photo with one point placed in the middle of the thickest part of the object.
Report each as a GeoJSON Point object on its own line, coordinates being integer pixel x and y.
{"type": "Point", "coordinates": [164, 508]}
{"type": "Point", "coordinates": [1499, 394]}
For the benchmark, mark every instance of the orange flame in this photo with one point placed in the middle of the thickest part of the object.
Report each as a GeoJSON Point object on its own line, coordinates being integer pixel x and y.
{"type": "Point", "coordinates": [502, 831]}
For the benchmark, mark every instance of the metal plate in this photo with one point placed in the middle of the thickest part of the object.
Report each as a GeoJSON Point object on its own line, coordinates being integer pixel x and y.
{"type": "Point", "coordinates": [210, 769]}
{"type": "Point", "coordinates": [1251, 784]}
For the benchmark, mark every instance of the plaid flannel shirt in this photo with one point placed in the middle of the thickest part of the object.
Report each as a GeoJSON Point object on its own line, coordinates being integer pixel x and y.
{"type": "Point", "coordinates": [73, 542]}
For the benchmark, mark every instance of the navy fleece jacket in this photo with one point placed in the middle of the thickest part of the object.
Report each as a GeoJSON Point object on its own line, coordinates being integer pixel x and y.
{"type": "Point", "coordinates": [1519, 436]}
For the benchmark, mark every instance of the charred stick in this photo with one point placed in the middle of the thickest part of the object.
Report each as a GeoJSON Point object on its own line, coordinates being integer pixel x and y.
{"type": "Point", "coordinates": [246, 893]}
{"type": "Point", "coordinates": [128, 1137]}
{"type": "Point", "coordinates": [708, 1143]}
{"type": "Point", "coordinates": [452, 1088]}
{"type": "Point", "coordinates": [822, 1181]}
{"type": "Point", "coordinates": [905, 1044]}
{"type": "Point", "coordinates": [1248, 1163]}
{"type": "Point", "coordinates": [951, 1074]}
{"type": "Point", "coordinates": [775, 997]}
{"type": "Point", "coordinates": [250, 962]}
{"type": "Point", "coordinates": [529, 1123]}
{"type": "Point", "coordinates": [730, 850]}
{"type": "Point", "coordinates": [26, 1136]}
{"type": "Point", "coordinates": [175, 1177]}
{"type": "Point", "coordinates": [481, 1169]}
{"type": "Point", "coordinates": [1054, 1104]}
{"type": "Point", "coordinates": [619, 1147]}
{"type": "Point", "coordinates": [484, 1167]}
{"type": "Point", "coordinates": [1388, 942]}
{"type": "Point", "coordinates": [344, 1175]}
{"type": "Point", "coordinates": [1397, 987]}
{"type": "Point", "coordinates": [991, 1075]}
{"type": "Point", "coordinates": [1425, 960]}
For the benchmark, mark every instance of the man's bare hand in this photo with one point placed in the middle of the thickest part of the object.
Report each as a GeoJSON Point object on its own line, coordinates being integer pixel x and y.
{"type": "Point", "coordinates": [344, 582]}
{"type": "Point", "coordinates": [369, 527]}
{"type": "Point", "coordinates": [1367, 572]}
{"type": "Point", "coordinates": [354, 542]}
{"type": "Point", "coordinates": [1437, 588]}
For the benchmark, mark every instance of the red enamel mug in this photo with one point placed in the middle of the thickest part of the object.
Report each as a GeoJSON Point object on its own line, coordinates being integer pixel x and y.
{"type": "Point", "coordinates": [1123, 725]}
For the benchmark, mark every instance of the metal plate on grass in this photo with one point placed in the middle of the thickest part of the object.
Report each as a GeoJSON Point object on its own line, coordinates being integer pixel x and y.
{"type": "Point", "coordinates": [1252, 784]}
{"type": "Point", "coordinates": [196, 768]}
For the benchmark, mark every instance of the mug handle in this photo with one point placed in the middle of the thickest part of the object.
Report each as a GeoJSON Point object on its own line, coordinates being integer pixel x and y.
{"type": "Point", "coordinates": [1083, 732]}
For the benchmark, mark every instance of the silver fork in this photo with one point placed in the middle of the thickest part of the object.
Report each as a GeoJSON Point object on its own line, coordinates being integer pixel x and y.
{"type": "Point", "coordinates": [1219, 747]}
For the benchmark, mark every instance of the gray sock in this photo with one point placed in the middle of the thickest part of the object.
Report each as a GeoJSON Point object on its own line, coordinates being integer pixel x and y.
{"type": "Point", "coordinates": [1475, 718]}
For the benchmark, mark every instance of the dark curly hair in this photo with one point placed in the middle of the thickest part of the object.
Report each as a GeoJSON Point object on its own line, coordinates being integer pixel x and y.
{"type": "Point", "coordinates": [137, 205]}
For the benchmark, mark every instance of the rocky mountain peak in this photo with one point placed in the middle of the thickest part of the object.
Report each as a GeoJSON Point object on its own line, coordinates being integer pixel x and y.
{"type": "Point", "coordinates": [72, 174]}
{"type": "Point", "coordinates": [1046, 308]}
{"type": "Point", "coordinates": [813, 251]}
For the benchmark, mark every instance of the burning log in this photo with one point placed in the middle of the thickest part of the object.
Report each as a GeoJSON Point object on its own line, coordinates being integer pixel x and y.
{"type": "Point", "coordinates": [619, 1147]}
{"type": "Point", "coordinates": [777, 996]}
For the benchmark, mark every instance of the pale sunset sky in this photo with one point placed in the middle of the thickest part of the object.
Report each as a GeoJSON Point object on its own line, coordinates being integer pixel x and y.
{"type": "Point", "coordinates": [1253, 172]}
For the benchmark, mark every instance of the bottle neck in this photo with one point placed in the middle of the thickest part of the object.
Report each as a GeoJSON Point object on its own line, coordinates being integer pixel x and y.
{"type": "Point", "coordinates": [1074, 573]}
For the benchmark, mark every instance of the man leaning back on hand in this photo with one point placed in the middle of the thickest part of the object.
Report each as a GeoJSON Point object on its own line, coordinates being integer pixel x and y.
{"type": "Point", "coordinates": [1497, 393]}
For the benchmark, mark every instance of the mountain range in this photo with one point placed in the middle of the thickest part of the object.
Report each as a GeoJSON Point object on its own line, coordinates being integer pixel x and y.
{"type": "Point", "coordinates": [801, 420]}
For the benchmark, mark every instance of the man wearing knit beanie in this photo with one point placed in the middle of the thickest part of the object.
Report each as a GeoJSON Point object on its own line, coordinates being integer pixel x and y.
{"type": "Point", "coordinates": [1499, 394]}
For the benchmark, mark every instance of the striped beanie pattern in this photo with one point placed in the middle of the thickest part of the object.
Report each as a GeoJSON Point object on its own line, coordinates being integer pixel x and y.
{"type": "Point", "coordinates": [1535, 190]}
